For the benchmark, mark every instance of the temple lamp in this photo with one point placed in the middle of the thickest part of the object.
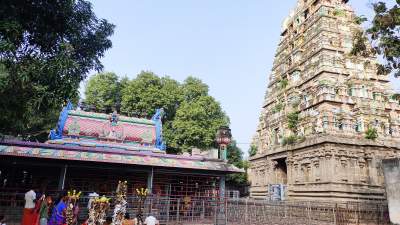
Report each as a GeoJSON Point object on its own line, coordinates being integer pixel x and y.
{"type": "Point", "coordinates": [223, 138]}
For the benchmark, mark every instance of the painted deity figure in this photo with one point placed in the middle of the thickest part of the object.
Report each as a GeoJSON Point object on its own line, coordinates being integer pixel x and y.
{"type": "Point", "coordinates": [111, 129]}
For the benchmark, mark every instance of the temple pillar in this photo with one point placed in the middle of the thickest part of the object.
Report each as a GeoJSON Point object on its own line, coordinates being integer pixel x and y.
{"type": "Point", "coordinates": [289, 164]}
{"type": "Point", "coordinates": [221, 217]}
{"type": "Point", "coordinates": [296, 173]}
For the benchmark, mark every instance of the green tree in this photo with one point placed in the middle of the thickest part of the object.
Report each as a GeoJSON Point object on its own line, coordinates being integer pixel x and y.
{"type": "Point", "coordinates": [123, 83]}
{"type": "Point", "coordinates": [193, 88]}
{"type": "Point", "coordinates": [191, 119]}
{"type": "Point", "coordinates": [235, 157]}
{"type": "Point", "coordinates": [46, 50]}
{"type": "Point", "coordinates": [102, 92]}
{"type": "Point", "coordinates": [149, 92]}
{"type": "Point", "coordinates": [359, 44]}
{"type": "Point", "coordinates": [196, 123]}
{"type": "Point", "coordinates": [384, 31]}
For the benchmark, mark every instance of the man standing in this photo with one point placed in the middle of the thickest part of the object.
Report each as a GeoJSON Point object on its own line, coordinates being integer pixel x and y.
{"type": "Point", "coordinates": [151, 220]}
{"type": "Point", "coordinates": [29, 209]}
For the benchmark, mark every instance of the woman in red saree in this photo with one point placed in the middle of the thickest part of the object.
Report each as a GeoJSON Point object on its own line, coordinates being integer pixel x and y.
{"type": "Point", "coordinates": [29, 209]}
{"type": "Point", "coordinates": [36, 210]}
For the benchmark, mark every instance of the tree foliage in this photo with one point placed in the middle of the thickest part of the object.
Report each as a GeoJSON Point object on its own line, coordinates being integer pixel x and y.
{"type": "Point", "coordinates": [371, 133]}
{"type": "Point", "coordinates": [252, 150]}
{"type": "Point", "coordinates": [191, 119]}
{"type": "Point", "coordinates": [359, 45]}
{"type": "Point", "coordinates": [360, 19]}
{"type": "Point", "coordinates": [293, 121]}
{"type": "Point", "coordinates": [148, 92]}
{"type": "Point", "coordinates": [289, 140]}
{"type": "Point", "coordinates": [46, 49]}
{"type": "Point", "coordinates": [103, 92]}
{"type": "Point", "coordinates": [385, 31]}
{"type": "Point", "coordinates": [193, 88]}
{"type": "Point", "coordinates": [196, 123]}
{"type": "Point", "coordinates": [283, 83]}
{"type": "Point", "coordinates": [235, 157]}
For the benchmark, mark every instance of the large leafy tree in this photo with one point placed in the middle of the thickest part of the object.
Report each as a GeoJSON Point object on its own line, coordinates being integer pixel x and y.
{"type": "Point", "coordinates": [191, 119]}
{"type": "Point", "coordinates": [196, 123]}
{"type": "Point", "coordinates": [103, 92]}
{"type": "Point", "coordinates": [46, 49]}
{"type": "Point", "coordinates": [193, 88]}
{"type": "Point", "coordinates": [235, 157]}
{"type": "Point", "coordinates": [148, 92]}
{"type": "Point", "coordinates": [385, 32]}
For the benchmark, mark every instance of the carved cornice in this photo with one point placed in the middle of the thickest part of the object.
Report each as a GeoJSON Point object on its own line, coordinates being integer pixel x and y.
{"type": "Point", "coordinates": [331, 139]}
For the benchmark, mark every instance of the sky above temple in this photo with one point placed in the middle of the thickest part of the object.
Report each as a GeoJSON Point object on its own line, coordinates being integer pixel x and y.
{"type": "Point", "coordinates": [230, 45]}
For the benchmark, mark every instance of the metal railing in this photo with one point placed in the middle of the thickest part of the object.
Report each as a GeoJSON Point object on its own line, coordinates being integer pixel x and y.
{"type": "Point", "coordinates": [310, 213]}
{"type": "Point", "coordinates": [179, 210]}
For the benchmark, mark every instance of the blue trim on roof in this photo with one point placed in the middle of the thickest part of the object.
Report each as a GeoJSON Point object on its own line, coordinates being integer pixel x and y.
{"type": "Point", "coordinates": [157, 118]}
{"type": "Point", "coordinates": [57, 133]}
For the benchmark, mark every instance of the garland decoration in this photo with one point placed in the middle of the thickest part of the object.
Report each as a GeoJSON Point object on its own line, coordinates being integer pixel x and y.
{"type": "Point", "coordinates": [120, 203]}
{"type": "Point", "coordinates": [73, 197]}
{"type": "Point", "coordinates": [98, 211]}
{"type": "Point", "coordinates": [142, 194]}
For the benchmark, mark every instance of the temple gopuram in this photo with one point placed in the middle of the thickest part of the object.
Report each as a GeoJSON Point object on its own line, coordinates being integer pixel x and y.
{"type": "Point", "coordinates": [330, 114]}
{"type": "Point", "coordinates": [92, 152]}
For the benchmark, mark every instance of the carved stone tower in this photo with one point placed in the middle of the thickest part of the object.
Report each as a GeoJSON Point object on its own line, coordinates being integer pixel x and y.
{"type": "Point", "coordinates": [329, 115]}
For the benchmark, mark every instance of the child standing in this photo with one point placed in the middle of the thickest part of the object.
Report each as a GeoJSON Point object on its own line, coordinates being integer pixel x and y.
{"type": "Point", "coordinates": [44, 211]}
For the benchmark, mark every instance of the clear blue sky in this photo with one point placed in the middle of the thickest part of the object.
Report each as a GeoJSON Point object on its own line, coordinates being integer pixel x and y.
{"type": "Point", "coordinates": [228, 44]}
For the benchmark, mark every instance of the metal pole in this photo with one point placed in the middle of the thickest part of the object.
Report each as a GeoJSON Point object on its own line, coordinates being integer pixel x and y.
{"type": "Point", "coordinates": [202, 210]}
{"type": "Point", "coordinates": [168, 206]}
{"type": "Point", "coordinates": [226, 210]}
{"type": "Point", "coordinates": [215, 211]}
{"type": "Point", "coordinates": [246, 211]}
{"type": "Point", "coordinates": [177, 210]}
{"type": "Point", "coordinates": [169, 201]}
{"type": "Point", "coordinates": [61, 181]}
{"type": "Point", "coordinates": [192, 203]}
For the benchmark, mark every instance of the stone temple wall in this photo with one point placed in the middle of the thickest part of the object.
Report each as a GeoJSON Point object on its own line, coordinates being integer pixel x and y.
{"type": "Point", "coordinates": [326, 168]}
{"type": "Point", "coordinates": [329, 115]}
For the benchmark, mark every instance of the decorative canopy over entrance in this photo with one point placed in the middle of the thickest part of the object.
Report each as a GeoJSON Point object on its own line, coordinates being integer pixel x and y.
{"type": "Point", "coordinates": [98, 137]}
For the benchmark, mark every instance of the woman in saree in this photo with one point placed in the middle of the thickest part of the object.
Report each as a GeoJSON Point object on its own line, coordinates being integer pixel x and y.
{"type": "Point", "coordinates": [58, 214]}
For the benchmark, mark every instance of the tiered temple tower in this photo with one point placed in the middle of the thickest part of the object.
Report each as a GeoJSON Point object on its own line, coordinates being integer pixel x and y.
{"type": "Point", "coordinates": [329, 115]}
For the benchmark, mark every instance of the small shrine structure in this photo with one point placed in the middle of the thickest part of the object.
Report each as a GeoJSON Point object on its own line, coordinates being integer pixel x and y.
{"type": "Point", "coordinates": [92, 152]}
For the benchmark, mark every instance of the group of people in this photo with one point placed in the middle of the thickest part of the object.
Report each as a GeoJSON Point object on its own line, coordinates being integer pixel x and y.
{"type": "Point", "coordinates": [150, 220]}
{"type": "Point", "coordinates": [43, 211]}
